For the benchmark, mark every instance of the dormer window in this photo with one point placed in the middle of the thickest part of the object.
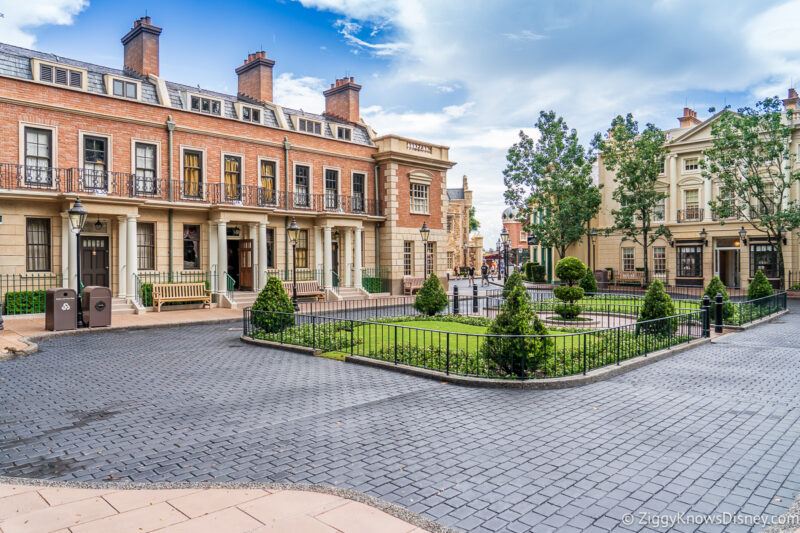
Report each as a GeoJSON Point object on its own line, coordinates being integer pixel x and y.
{"type": "Point", "coordinates": [59, 74]}
{"type": "Point", "coordinates": [202, 104]}
{"type": "Point", "coordinates": [250, 114]}
{"type": "Point", "coordinates": [309, 126]}
{"type": "Point", "coordinates": [123, 88]}
{"type": "Point", "coordinates": [344, 134]}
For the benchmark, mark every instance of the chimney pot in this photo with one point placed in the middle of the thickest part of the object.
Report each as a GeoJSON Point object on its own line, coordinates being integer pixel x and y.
{"type": "Point", "coordinates": [341, 100]}
{"type": "Point", "coordinates": [141, 47]}
{"type": "Point", "coordinates": [255, 77]}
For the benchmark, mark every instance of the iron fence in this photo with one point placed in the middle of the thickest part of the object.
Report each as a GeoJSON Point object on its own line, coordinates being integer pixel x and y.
{"type": "Point", "coordinates": [22, 294]}
{"type": "Point", "coordinates": [376, 280]}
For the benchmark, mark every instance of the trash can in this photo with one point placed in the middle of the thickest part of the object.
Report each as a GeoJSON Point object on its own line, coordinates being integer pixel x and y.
{"type": "Point", "coordinates": [61, 309]}
{"type": "Point", "coordinates": [96, 305]}
{"type": "Point", "coordinates": [601, 276]}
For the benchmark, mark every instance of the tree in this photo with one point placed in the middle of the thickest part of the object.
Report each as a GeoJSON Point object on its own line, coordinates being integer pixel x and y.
{"type": "Point", "coordinates": [569, 270]}
{"type": "Point", "coordinates": [552, 178]}
{"type": "Point", "coordinates": [431, 298]}
{"type": "Point", "coordinates": [474, 224]}
{"type": "Point", "coordinates": [760, 287]}
{"type": "Point", "coordinates": [514, 280]}
{"type": "Point", "coordinates": [635, 158]}
{"type": "Point", "coordinates": [657, 305]}
{"type": "Point", "coordinates": [752, 159]}
{"type": "Point", "coordinates": [715, 286]}
{"type": "Point", "coordinates": [588, 283]}
{"type": "Point", "coordinates": [273, 310]}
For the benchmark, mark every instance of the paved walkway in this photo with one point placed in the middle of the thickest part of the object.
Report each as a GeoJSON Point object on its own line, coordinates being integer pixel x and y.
{"type": "Point", "coordinates": [712, 430]}
{"type": "Point", "coordinates": [27, 508]}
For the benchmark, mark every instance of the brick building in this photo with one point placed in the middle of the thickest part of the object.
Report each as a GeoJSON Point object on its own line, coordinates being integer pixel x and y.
{"type": "Point", "coordinates": [182, 179]}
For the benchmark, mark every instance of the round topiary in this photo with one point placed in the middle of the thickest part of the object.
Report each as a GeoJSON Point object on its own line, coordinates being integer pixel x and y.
{"type": "Point", "coordinates": [431, 298]}
{"type": "Point", "coordinates": [273, 310]}
{"type": "Point", "coordinates": [566, 293]}
{"type": "Point", "coordinates": [715, 286]}
{"type": "Point", "coordinates": [760, 287]}
{"type": "Point", "coordinates": [657, 304]}
{"type": "Point", "coordinates": [588, 283]}
{"type": "Point", "coordinates": [570, 270]}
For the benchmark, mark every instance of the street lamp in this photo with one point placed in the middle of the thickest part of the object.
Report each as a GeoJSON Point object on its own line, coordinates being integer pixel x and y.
{"type": "Point", "coordinates": [294, 232]}
{"type": "Point", "coordinates": [504, 236]}
{"type": "Point", "coordinates": [593, 240]}
{"type": "Point", "coordinates": [425, 233]}
{"type": "Point", "coordinates": [743, 236]}
{"type": "Point", "coordinates": [703, 235]}
{"type": "Point", "coordinates": [77, 217]}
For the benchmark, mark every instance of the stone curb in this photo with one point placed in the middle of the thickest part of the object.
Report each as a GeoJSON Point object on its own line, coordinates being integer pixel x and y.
{"type": "Point", "coordinates": [305, 350]}
{"type": "Point", "coordinates": [764, 320]}
{"type": "Point", "coordinates": [382, 505]}
{"type": "Point", "coordinates": [33, 340]}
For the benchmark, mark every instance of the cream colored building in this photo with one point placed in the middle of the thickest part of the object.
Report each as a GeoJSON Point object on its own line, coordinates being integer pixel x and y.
{"type": "Point", "coordinates": [462, 248]}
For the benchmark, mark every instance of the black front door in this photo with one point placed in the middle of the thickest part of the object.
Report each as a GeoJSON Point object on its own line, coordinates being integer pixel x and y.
{"type": "Point", "coordinates": [233, 261]}
{"type": "Point", "coordinates": [94, 261]}
{"type": "Point", "coordinates": [335, 257]}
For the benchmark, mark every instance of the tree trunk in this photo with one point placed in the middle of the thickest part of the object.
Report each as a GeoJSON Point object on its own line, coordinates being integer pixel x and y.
{"type": "Point", "coordinates": [779, 249]}
{"type": "Point", "coordinates": [646, 271]}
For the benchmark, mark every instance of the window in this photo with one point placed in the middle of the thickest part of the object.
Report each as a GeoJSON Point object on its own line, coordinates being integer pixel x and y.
{"type": "Point", "coordinates": [767, 203]}
{"type": "Point", "coordinates": [270, 248]}
{"type": "Point", "coordinates": [692, 205]}
{"type": "Point", "coordinates": [251, 114]}
{"type": "Point", "coordinates": [658, 212]}
{"type": "Point", "coordinates": [191, 246]}
{"type": "Point", "coordinates": [419, 198]}
{"type": "Point", "coordinates": [358, 192]}
{"type": "Point", "coordinates": [690, 164]}
{"type": "Point", "coordinates": [37, 245]}
{"type": "Point", "coordinates": [145, 168]}
{"type": "Point", "coordinates": [449, 224]}
{"type": "Point", "coordinates": [344, 134]}
{"type": "Point", "coordinates": [628, 260]}
{"type": "Point", "coordinates": [407, 258]}
{"type": "Point", "coordinates": [38, 156]}
{"type": "Point", "coordinates": [209, 106]}
{"type": "Point", "coordinates": [301, 175]}
{"type": "Point", "coordinates": [451, 258]}
{"type": "Point", "coordinates": [301, 250]}
{"type": "Point", "coordinates": [125, 89]}
{"type": "Point", "coordinates": [429, 256]}
{"type": "Point", "coordinates": [233, 177]}
{"type": "Point", "coordinates": [267, 177]}
{"type": "Point", "coordinates": [146, 245]}
{"type": "Point", "coordinates": [690, 261]}
{"type": "Point", "coordinates": [661, 167]}
{"type": "Point", "coordinates": [659, 260]}
{"type": "Point", "coordinates": [309, 126]}
{"type": "Point", "coordinates": [331, 189]}
{"type": "Point", "coordinates": [95, 154]}
{"type": "Point", "coordinates": [61, 76]}
{"type": "Point", "coordinates": [764, 257]}
{"type": "Point", "coordinates": [192, 173]}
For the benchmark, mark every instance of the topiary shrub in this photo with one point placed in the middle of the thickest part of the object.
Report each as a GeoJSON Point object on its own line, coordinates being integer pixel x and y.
{"type": "Point", "coordinates": [431, 298]}
{"type": "Point", "coordinates": [715, 286]}
{"type": "Point", "coordinates": [539, 273]}
{"type": "Point", "coordinates": [516, 356]}
{"type": "Point", "coordinates": [529, 271]}
{"type": "Point", "coordinates": [569, 270]}
{"type": "Point", "coordinates": [514, 280]}
{"type": "Point", "coordinates": [273, 310]}
{"type": "Point", "coordinates": [588, 283]}
{"type": "Point", "coordinates": [657, 304]}
{"type": "Point", "coordinates": [760, 287]}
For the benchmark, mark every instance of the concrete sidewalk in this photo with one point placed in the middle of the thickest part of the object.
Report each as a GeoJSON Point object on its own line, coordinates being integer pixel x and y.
{"type": "Point", "coordinates": [35, 509]}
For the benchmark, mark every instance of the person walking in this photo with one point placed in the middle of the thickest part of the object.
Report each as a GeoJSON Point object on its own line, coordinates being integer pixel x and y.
{"type": "Point", "coordinates": [455, 272]}
{"type": "Point", "coordinates": [484, 274]}
{"type": "Point", "coordinates": [472, 274]}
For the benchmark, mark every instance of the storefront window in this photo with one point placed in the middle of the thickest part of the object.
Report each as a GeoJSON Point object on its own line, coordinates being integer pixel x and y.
{"type": "Point", "coordinates": [690, 261]}
{"type": "Point", "coordinates": [764, 257]}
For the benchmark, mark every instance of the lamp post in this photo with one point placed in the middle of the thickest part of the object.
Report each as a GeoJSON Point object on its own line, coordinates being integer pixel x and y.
{"type": "Point", "coordinates": [77, 217]}
{"type": "Point", "coordinates": [504, 236]}
{"type": "Point", "coordinates": [593, 239]}
{"type": "Point", "coordinates": [425, 233]}
{"type": "Point", "coordinates": [294, 232]}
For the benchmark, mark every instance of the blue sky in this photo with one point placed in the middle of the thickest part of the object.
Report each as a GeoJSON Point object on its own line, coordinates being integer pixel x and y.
{"type": "Point", "coordinates": [469, 74]}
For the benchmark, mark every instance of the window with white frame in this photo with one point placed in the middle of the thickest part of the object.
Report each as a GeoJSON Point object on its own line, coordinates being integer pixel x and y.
{"type": "Point", "coordinates": [359, 182]}
{"type": "Point", "coordinates": [659, 259]}
{"type": "Point", "coordinates": [124, 88]}
{"type": "Point", "coordinates": [344, 134]}
{"type": "Point", "coordinates": [37, 245]}
{"type": "Point", "coordinates": [145, 168]}
{"type": "Point", "coordinates": [661, 167]}
{"type": "Point", "coordinates": [659, 211]}
{"type": "Point", "coordinates": [302, 174]}
{"type": "Point", "coordinates": [691, 204]}
{"type": "Point", "coordinates": [38, 156]}
{"type": "Point", "coordinates": [430, 255]}
{"type": "Point", "coordinates": [628, 260]}
{"type": "Point", "coordinates": [309, 126]}
{"type": "Point", "coordinates": [146, 245]}
{"type": "Point", "coordinates": [192, 173]}
{"type": "Point", "coordinates": [204, 104]}
{"type": "Point", "coordinates": [419, 198]}
{"type": "Point", "coordinates": [95, 163]}
{"type": "Point", "coordinates": [251, 114]}
{"type": "Point", "coordinates": [691, 163]}
{"type": "Point", "coordinates": [331, 188]}
{"type": "Point", "coordinates": [60, 75]}
{"type": "Point", "coordinates": [267, 172]}
{"type": "Point", "coordinates": [408, 258]}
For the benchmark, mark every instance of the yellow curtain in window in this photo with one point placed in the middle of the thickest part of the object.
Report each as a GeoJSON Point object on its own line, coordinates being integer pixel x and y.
{"type": "Point", "coordinates": [268, 180]}
{"type": "Point", "coordinates": [191, 174]}
{"type": "Point", "coordinates": [232, 177]}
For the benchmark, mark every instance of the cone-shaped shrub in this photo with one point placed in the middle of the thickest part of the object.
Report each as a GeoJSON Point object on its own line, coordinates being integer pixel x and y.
{"type": "Point", "coordinates": [273, 310]}
{"type": "Point", "coordinates": [588, 283]}
{"type": "Point", "coordinates": [760, 287]}
{"type": "Point", "coordinates": [657, 304]}
{"type": "Point", "coordinates": [569, 270]}
{"type": "Point", "coordinates": [431, 298]}
{"type": "Point", "coordinates": [715, 286]}
{"type": "Point", "coordinates": [514, 280]}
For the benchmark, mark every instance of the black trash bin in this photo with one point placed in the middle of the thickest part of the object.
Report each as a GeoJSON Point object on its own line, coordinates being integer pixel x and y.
{"type": "Point", "coordinates": [96, 304]}
{"type": "Point", "coordinates": [61, 309]}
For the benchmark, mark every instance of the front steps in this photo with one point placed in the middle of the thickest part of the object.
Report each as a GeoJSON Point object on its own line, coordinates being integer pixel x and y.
{"type": "Point", "coordinates": [121, 306]}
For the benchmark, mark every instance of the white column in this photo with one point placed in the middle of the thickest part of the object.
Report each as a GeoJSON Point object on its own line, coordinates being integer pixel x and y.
{"type": "Point", "coordinates": [212, 248]}
{"type": "Point", "coordinates": [318, 247]}
{"type": "Point", "coordinates": [122, 252]}
{"type": "Point", "coordinates": [673, 189]}
{"type": "Point", "coordinates": [348, 257]}
{"type": "Point", "coordinates": [327, 262]}
{"type": "Point", "coordinates": [222, 256]}
{"type": "Point", "coordinates": [357, 261]}
{"type": "Point", "coordinates": [262, 253]}
{"type": "Point", "coordinates": [133, 259]}
{"type": "Point", "coordinates": [66, 234]}
{"type": "Point", "coordinates": [72, 246]}
{"type": "Point", "coordinates": [253, 234]}
{"type": "Point", "coordinates": [706, 199]}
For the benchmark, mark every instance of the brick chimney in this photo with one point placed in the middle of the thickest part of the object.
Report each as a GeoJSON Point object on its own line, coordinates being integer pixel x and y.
{"type": "Point", "coordinates": [689, 118]}
{"type": "Point", "coordinates": [141, 47]}
{"type": "Point", "coordinates": [255, 77]}
{"type": "Point", "coordinates": [341, 100]}
{"type": "Point", "coordinates": [791, 102]}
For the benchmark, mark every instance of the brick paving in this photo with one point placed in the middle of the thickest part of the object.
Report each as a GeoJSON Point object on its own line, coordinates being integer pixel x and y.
{"type": "Point", "coordinates": [711, 430]}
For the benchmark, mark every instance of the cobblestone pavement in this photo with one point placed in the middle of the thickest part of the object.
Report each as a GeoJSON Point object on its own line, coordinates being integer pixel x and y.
{"type": "Point", "coordinates": [714, 429]}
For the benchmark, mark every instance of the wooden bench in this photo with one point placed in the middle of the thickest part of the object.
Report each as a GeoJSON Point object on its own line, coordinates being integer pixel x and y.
{"type": "Point", "coordinates": [180, 292]}
{"type": "Point", "coordinates": [636, 276]}
{"type": "Point", "coordinates": [305, 289]}
{"type": "Point", "coordinates": [412, 285]}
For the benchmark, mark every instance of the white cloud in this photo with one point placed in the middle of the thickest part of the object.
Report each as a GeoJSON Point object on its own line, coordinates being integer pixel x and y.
{"type": "Point", "coordinates": [525, 35]}
{"type": "Point", "coordinates": [350, 30]}
{"type": "Point", "coordinates": [300, 93]}
{"type": "Point", "coordinates": [20, 18]}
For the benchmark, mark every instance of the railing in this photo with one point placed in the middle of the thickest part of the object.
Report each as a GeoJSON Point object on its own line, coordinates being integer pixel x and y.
{"type": "Point", "coordinates": [793, 280]}
{"type": "Point", "coordinates": [690, 214]}
{"type": "Point", "coordinates": [752, 310]}
{"type": "Point", "coordinates": [303, 274]}
{"type": "Point", "coordinates": [375, 280]}
{"type": "Point", "coordinates": [33, 178]}
{"type": "Point", "coordinates": [138, 292]}
{"type": "Point", "coordinates": [230, 285]}
{"type": "Point", "coordinates": [22, 294]}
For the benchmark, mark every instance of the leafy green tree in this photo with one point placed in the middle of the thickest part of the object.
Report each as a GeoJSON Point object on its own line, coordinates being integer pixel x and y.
{"type": "Point", "coordinates": [588, 283]}
{"type": "Point", "coordinates": [714, 287]}
{"type": "Point", "coordinates": [431, 298]}
{"type": "Point", "coordinates": [273, 310]}
{"type": "Point", "coordinates": [514, 280]}
{"type": "Point", "coordinates": [636, 158]}
{"type": "Point", "coordinates": [516, 356]}
{"type": "Point", "coordinates": [552, 178]}
{"type": "Point", "coordinates": [474, 223]}
{"type": "Point", "coordinates": [753, 160]}
{"type": "Point", "coordinates": [760, 287]}
{"type": "Point", "coordinates": [657, 304]}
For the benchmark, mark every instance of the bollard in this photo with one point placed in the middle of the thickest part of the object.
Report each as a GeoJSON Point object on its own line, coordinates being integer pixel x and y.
{"type": "Point", "coordinates": [455, 300]}
{"type": "Point", "coordinates": [718, 313]}
{"type": "Point", "coordinates": [706, 307]}
{"type": "Point", "coordinates": [475, 299]}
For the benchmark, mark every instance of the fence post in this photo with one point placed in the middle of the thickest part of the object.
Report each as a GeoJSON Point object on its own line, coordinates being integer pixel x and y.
{"type": "Point", "coordinates": [584, 354]}
{"type": "Point", "coordinates": [447, 367]}
{"type": "Point", "coordinates": [706, 308]}
{"type": "Point", "coordinates": [718, 313]}
{"type": "Point", "coordinates": [352, 329]}
{"type": "Point", "coordinates": [313, 331]}
{"type": "Point", "coordinates": [395, 345]}
{"type": "Point", "coordinates": [475, 299]}
{"type": "Point", "coordinates": [455, 300]}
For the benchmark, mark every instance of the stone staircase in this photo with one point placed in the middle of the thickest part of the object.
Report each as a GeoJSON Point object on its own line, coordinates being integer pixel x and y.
{"type": "Point", "coordinates": [120, 306]}
{"type": "Point", "coordinates": [244, 298]}
{"type": "Point", "coordinates": [350, 293]}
